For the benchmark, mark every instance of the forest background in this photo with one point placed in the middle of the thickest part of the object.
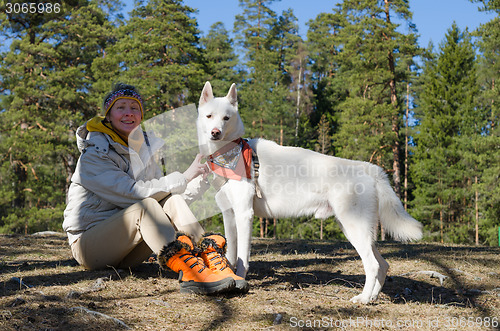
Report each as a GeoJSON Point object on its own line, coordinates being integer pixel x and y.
{"type": "Point", "coordinates": [356, 87]}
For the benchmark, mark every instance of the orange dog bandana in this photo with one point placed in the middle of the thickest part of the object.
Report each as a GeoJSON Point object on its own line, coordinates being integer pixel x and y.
{"type": "Point", "coordinates": [233, 161]}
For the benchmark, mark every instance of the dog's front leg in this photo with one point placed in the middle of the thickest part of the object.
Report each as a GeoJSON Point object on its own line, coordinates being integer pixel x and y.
{"type": "Point", "coordinates": [230, 230]}
{"type": "Point", "coordinates": [231, 236]}
{"type": "Point", "coordinates": [240, 195]}
{"type": "Point", "coordinates": [244, 218]}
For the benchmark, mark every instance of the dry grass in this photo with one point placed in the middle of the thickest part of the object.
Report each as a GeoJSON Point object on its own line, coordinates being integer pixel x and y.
{"type": "Point", "coordinates": [293, 283]}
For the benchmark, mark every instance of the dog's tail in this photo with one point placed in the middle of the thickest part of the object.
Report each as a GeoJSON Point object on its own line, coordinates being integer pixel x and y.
{"type": "Point", "coordinates": [394, 218]}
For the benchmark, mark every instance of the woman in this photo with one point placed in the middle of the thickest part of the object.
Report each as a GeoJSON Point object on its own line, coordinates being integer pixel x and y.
{"type": "Point", "coordinates": [121, 208]}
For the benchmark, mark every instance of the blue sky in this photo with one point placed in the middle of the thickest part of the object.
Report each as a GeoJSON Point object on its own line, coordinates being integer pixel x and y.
{"type": "Point", "coordinates": [432, 17]}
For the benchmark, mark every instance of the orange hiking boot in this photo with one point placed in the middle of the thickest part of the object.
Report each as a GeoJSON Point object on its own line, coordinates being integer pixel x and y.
{"type": "Point", "coordinates": [213, 250]}
{"type": "Point", "coordinates": [194, 276]}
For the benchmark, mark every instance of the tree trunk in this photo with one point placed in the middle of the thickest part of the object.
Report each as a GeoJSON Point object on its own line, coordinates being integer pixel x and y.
{"type": "Point", "coordinates": [396, 165]}
{"type": "Point", "coordinates": [406, 144]}
{"type": "Point", "coordinates": [281, 132]}
{"type": "Point", "coordinates": [477, 213]}
{"type": "Point", "coordinates": [321, 230]}
{"type": "Point", "coordinates": [261, 220]}
{"type": "Point", "coordinates": [274, 225]}
{"type": "Point", "coordinates": [440, 202]}
{"type": "Point", "coordinates": [297, 112]}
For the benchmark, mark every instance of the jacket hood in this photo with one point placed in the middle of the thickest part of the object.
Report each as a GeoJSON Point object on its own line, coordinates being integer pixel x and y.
{"type": "Point", "coordinates": [98, 124]}
{"type": "Point", "coordinates": [86, 138]}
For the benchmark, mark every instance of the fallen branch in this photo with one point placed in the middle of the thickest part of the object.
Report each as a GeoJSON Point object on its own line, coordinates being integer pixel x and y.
{"type": "Point", "coordinates": [20, 282]}
{"type": "Point", "coordinates": [160, 303]}
{"type": "Point", "coordinates": [432, 274]}
{"type": "Point", "coordinates": [466, 273]}
{"type": "Point", "coordinates": [101, 315]}
{"type": "Point", "coordinates": [351, 284]}
{"type": "Point", "coordinates": [47, 233]}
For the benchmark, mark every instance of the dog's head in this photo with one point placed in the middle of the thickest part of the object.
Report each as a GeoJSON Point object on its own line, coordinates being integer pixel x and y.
{"type": "Point", "coordinates": [218, 118]}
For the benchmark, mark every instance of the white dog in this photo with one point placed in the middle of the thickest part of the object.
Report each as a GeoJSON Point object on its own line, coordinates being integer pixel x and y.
{"type": "Point", "coordinates": [295, 182]}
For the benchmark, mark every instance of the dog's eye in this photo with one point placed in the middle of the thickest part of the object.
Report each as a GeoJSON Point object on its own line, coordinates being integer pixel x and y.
{"type": "Point", "coordinates": [226, 118]}
{"type": "Point", "coordinates": [209, 116]}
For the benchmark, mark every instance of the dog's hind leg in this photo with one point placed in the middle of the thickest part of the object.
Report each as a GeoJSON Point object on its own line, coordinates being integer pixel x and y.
{"type": "Point", "coordinates": [382, 272]}
{"type": "Point", "coordinates": [360, 234]}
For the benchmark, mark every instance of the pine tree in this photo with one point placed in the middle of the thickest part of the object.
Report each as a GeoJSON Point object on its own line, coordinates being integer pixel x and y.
{"type": "Point", "coordinates": [269, 43]}
{"type": "Point", "coordinates": [284, 43]}
{"type": "Point", "coordinates": [251, 29]}
{"type": "Point", "coordinates": [45, 76]}
{"type": "Point", "coordinates": [157, 50]}
{"type": "Point", "coordinates": [324, 142]}
{"type": "Point", "coordinates": [302, 94]}
{"type": "Point", "coordinates": [324, 47]}
{"type": "Point", "coordinates": [449, 122]}
{"type": "Point", "coordinates": [221, 60]}
{"type": "Point", "coordinates": [373, 62]}
{"type": "Point", "coordinates": [489, 150]}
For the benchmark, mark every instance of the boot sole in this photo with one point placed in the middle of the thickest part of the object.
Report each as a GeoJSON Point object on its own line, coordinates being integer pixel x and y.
{"type": "Point", "coordinates": [242, 286]}
{"type": "Point", "coordinates": [221, 286]}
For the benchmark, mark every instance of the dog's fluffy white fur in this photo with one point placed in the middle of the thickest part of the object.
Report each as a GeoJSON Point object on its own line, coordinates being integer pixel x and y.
{"type": "Point", "coordinates": [298, 182]}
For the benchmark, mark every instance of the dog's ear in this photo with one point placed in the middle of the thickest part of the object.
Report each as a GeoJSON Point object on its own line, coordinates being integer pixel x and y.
{"type": "Point", "coordinates": [206, 94]}
{"type": "Point", "coordinates": [232, 95]}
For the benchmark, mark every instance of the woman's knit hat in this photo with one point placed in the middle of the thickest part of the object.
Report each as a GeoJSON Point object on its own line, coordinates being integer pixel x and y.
{"type": "Point", "coordinates": [122, 91]}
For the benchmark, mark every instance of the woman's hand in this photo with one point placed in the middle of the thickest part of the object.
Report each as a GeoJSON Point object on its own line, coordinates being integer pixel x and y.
{"type": "Point", "coordinates": [197, 168]}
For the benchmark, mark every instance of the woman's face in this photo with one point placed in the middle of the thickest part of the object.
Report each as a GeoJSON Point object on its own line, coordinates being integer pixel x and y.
{"type": "Point", "coordinates": [125, 116]}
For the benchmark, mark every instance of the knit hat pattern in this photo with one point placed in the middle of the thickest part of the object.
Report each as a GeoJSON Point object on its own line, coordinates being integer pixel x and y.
{"type": "Point", "coordinates": [122, 94]}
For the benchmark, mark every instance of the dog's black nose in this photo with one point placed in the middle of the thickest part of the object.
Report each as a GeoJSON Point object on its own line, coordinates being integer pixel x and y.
{"type": "Point", "coordinates": [216, 134]}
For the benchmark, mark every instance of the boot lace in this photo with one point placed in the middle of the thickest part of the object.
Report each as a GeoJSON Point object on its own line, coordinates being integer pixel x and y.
{"type": "Point", "coordinates": [198, 262]}
{"type": "Point", "coordinates": [217, 260]}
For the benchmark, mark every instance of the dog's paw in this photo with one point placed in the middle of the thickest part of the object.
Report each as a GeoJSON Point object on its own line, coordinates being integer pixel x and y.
{"type": "Point", "coordinates": [361, 299]}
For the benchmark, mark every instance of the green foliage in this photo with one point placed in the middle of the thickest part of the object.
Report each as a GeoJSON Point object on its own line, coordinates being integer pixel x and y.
{"type": "Point", "coordinates": [372, 59]}
{"type": "Point", "coordinates": [158, 51]}
{"type": "Point", "coordinates": [450, 157]}
{"type": "Point", "coordinates": [45, 76]}
{"type": "Point", "coordinates": [324, 47]}
{"type": "Point", "coordinates": [488, 101]}
{"type": "Point", "coordinates": [220, 59]}
{"type": "Point", "coordinates": [269, 43]}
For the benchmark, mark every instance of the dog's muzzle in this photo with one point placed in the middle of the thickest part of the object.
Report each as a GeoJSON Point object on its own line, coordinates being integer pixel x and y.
{"type": "Point", "coordinates": [215, 134]}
